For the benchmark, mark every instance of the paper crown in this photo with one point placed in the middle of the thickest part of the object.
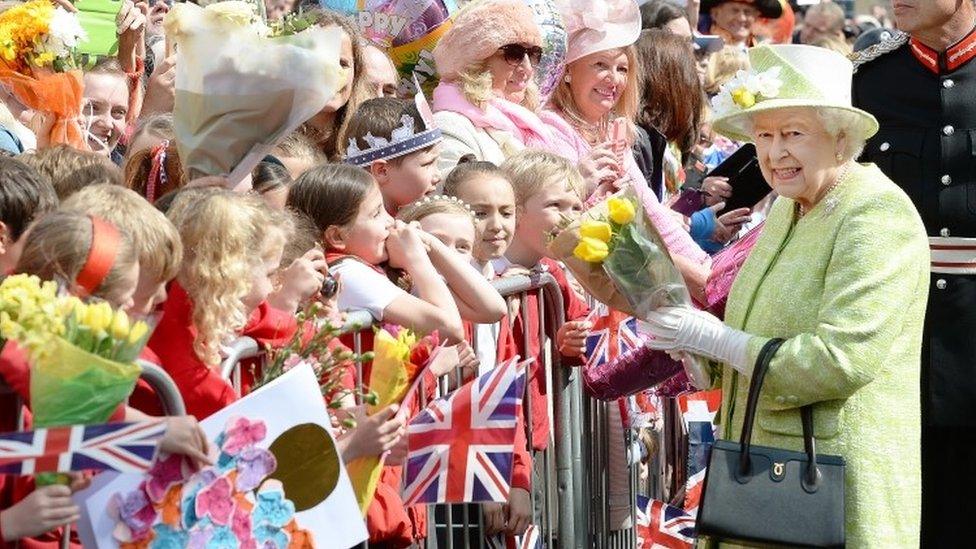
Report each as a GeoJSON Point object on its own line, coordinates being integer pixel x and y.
{"type": "Point", "coordinates": [787, 76]}
{"type": "Point", "coordinates": [403, 140]}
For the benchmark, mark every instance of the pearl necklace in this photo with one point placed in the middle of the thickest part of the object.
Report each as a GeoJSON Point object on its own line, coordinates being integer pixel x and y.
{"type": "Point", "coordinates": [832, 202]}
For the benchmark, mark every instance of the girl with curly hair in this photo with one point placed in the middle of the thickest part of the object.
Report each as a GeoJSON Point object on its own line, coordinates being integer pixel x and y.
{"type": "Point", "coordinates": [233, 245]}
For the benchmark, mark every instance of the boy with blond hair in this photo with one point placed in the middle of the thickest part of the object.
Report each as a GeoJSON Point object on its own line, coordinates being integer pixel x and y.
{"type": "Point", "coordinates": [156, 239]}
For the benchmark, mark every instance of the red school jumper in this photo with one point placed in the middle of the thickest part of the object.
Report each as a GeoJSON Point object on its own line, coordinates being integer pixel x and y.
{"type": "Point", "coordinates": [574, 308]}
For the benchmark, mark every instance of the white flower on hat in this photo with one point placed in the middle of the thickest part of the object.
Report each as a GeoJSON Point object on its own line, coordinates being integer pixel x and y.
{"type": "Point", "coordinates": [746, 89]}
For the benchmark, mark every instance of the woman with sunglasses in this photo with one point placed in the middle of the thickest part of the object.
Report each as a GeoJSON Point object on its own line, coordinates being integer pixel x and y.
{"type": "Point", "coordinates": [591, 115]}
{"type": "Point", "coordinates": [487, 99]}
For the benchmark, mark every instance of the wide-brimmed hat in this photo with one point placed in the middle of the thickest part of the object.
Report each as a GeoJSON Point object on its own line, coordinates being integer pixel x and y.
{"type": "Point", "coordinates": [598, 25]}
{"type": "Point", "coordinates": [770, 9]}
{"type": "Point", "coordinates": [783, 77]}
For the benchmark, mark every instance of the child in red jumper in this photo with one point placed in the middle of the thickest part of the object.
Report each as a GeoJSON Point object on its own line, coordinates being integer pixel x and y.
{"type": "Point", "coordinates": [59, 247]}
{"type": "Point", "coordinates": [548, 189]}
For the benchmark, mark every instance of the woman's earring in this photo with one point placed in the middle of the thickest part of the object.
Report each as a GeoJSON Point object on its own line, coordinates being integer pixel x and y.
{"type": "Point", "coordinates": [567, 79]}
{"type": "Point", "coordinates": [839, 157]}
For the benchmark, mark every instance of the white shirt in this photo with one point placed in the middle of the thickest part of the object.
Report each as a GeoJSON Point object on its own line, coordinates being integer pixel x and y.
{"type": "Point", "coordinates": [362, 288]}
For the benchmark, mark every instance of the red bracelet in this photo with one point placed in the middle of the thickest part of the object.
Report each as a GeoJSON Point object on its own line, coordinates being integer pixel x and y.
{"type": "Point", "coordinates": [140, 69]}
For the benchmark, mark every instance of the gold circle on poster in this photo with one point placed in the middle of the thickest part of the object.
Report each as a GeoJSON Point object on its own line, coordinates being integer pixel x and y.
{"type": "Point", "coordinates": [308, 464]}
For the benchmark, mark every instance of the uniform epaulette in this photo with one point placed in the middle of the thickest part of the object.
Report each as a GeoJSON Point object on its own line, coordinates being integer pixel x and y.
{"type": "Point", "coordinates": [881, 48]}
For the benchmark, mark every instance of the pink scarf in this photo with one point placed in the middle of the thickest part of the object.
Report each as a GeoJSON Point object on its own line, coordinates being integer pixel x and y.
{"type": "Point", "coordinates": [498, 114]}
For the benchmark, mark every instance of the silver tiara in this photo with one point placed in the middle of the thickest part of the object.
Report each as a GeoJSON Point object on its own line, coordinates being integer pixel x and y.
{"type": "Point", "coordinates": [403, 140]}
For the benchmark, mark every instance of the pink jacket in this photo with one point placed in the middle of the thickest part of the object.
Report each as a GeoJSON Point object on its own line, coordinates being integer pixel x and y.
{"type": "Point", "coordinates": [568, 143]}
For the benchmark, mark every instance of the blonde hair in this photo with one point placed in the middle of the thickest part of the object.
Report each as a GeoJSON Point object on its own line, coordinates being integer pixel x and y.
{"type": "Point", "coordinates": [627, 106]}
{"type": "Point", "coordinates": [59, 162]}
{"type": "Point", "coordinates": [224, 235]}
{"type": "Point", "coordinates": [156, 240]}
{"type": "Point", "coordinates": [833, 43]}
{"type": "Point", "coordinates": [437, 204]}
{"type": "Point", "coordinates": [722, 66]}
{"type": "Point", "coordinates": [476, 84]}
{"type": "Point", "coordinates": [297, 145]}
{"type": "Point", "coordinates": [531, 171]}
{"type": "Point", "coordinates": [57, 247]}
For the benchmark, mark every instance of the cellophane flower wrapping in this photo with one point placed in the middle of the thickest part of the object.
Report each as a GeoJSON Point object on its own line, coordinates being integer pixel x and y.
{"type": "Point", "coordinates": [389, 380]}
{"type": "Point", "coordinates": [635, 273]}
{"type": "Point", "coordinates": [239, 90]}
{"type": "Point", "coordinates": [38, 43]}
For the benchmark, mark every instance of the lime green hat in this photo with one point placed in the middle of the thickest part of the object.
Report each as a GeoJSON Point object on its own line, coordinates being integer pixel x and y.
{"type": "Point", "coordinates": [787, 76]}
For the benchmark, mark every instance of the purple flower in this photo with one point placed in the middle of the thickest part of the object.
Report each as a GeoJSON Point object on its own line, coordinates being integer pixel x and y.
{"type": "Point", "coordinates": [253, 465]}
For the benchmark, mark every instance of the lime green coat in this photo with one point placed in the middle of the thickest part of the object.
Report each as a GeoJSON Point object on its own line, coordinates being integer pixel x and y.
{"type": "Point", "coordinates": [846, 285]}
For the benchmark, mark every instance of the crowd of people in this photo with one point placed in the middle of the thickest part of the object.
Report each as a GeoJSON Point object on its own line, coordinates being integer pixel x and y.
{"type": "Point", "coordinates": [859, 256]}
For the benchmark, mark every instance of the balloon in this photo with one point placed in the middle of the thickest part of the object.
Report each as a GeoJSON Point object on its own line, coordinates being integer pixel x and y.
{"type": "Point", "coordinates": [389, 23]}
{"type": "Point", "coordinates": [550, 23]}
{"type": "Point", "coordinates": [407, 29]}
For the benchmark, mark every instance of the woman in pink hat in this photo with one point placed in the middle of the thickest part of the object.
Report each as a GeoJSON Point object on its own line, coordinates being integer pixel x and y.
{"type": "Point", "coordinates": [591, 114]}
{"type": "Point", "coordinates": [486, 102]}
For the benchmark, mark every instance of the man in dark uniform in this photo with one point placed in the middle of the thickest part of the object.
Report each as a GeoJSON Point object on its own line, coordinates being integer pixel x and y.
{"type": "Point", "coordinates": [921, 85]}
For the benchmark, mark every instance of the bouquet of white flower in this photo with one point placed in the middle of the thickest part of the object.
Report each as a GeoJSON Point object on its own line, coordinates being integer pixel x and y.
{"type": "Point", "coordinates": [240, 87]}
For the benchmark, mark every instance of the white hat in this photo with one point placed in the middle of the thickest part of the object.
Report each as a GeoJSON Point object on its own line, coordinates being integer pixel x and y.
{"type": "Point", "coordinates": [598, 25]}
{"type": "Point", "coordinates": [787, 76]}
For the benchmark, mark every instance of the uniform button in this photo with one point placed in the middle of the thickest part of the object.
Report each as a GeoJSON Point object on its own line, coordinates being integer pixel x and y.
{"type": "Point", "coordinates": [941, 284]}
{"type": "Point", "coordinates": [944, 232]}
{"type": "Point", "coordinates": [792, 399]}
{"type": "Point", "coordinates": [780, 400]}
{"type": "Point", "coordinates": [885, 146]}
{"type": "Point", "coordinates": [948, 130]}
{"type": "Point", "coordinates": [948, 83]}
{"type": "Point", "coordinates": [946, 179]}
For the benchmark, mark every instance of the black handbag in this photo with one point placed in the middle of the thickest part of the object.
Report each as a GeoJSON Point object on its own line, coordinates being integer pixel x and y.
{"type": "Point", "coordinates": [755, 495]}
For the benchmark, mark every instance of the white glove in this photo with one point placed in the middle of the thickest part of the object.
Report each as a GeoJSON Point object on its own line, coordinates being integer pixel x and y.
{"type": "Point", "coordinates": [676, 329]}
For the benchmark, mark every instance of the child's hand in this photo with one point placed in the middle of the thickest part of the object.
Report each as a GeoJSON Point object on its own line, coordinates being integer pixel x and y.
{"type": "Point", "coordinates": [467, 360]}
{"type": "Point", "coordinates": [571, 338]}
{"type": "Point", "coordinates": [185, 436]}
{"type": "Point", "coordinates": [43, 510]}
{"type": "Point", "coordinates": [300, 281]}
{"type": "Point", "coordinates": [398, 453]}
{"type": "Point", "coordinates": [519, 511]}
{"type": "Point", "coordinates": [405, 246]}
{"type": "Point", "coordinates": [374, 434]}
{"type": "Point", "coordinates": [512, 518]}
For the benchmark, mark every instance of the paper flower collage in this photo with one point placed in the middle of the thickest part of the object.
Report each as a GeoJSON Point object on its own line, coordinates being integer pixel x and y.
{"type": "Point", "coordinates": [232, 504]}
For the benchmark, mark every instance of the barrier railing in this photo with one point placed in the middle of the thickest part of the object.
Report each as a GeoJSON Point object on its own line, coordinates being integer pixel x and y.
{"type": "Point", "coordinates": [164, 387]}
{"type": "Point", "coordinates": [570, 476]}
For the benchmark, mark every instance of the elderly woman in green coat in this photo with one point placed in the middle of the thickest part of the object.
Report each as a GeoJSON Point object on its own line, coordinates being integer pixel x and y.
{"type": "Point", "coordinates": [841, 272]}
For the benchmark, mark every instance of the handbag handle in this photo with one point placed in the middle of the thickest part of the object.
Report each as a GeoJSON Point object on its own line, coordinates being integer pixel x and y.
{"type": "Point", "coordinates": [812, 475]}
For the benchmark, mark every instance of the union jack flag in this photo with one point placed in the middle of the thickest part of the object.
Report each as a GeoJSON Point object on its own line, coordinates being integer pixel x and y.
{"type": "Point", "coordinates": [613, 334]}
{"type": "Point", "coordinates": [698, 412]}
{"type": "Point", "coordinates": [461, 446]}
{"type": "Point", "coordinates": [124, 447]}
{"type": "Point", "coordinates": [529, 540]}
{"type": "Point", "coordinates": [660, 525]}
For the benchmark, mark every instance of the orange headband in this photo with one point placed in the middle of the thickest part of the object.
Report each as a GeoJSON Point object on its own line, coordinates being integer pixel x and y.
{"type": "Point", "coordinates": [101, 255]}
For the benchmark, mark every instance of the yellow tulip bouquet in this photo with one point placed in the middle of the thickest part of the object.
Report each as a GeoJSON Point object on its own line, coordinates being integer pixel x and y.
{"type": "Point", "coordinates": [617, 255]}
{"type": "Point", "coordinates": [82, 355]}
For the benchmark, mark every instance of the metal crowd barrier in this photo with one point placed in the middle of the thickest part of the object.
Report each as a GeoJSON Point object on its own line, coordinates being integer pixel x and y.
{"type": "Point", "coordinates": [164, 387]}
{"type": "Point", "coordinates": [573, 470]}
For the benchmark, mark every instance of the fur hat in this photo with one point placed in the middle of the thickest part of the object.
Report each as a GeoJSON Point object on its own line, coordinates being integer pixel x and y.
{"type": "Point", "coordinates": [479, 29]}
{"type": "Point", "coordinates": [598, 25]}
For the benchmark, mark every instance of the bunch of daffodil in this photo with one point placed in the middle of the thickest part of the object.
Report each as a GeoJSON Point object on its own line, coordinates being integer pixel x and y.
{"type": "Point", "coordinates": [99, 329]}
{"type": "Point", "coordinates": [598, 236]}
{"type": "Point", "coordinates": [29, 311]}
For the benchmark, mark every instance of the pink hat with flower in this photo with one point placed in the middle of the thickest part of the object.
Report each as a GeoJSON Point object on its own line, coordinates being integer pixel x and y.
{"type": "Point", "coordinates": [598, 25]}
{"type": "Point", "coordinates": [479, 29]}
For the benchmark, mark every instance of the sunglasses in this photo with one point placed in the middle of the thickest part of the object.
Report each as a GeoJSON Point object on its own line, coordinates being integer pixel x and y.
{"type": "Point", "coordinates": [515, 53]}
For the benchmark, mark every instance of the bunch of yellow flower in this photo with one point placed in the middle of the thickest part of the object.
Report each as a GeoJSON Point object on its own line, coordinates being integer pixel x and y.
{"type": "Point", "coordinates": [37, 33]}
{"type": "Point", "coordinates": [597, 236]}
{"type": "Point", "coordinates": [29, 311]}
{"type": "Point", "coordinates": [103, 331]}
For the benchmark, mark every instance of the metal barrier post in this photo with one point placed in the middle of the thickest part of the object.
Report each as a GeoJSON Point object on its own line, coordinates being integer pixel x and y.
{"type": "Point", "coordinates": [230, 368]}
{"type": "Point", "coordinates": [164, 387]}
